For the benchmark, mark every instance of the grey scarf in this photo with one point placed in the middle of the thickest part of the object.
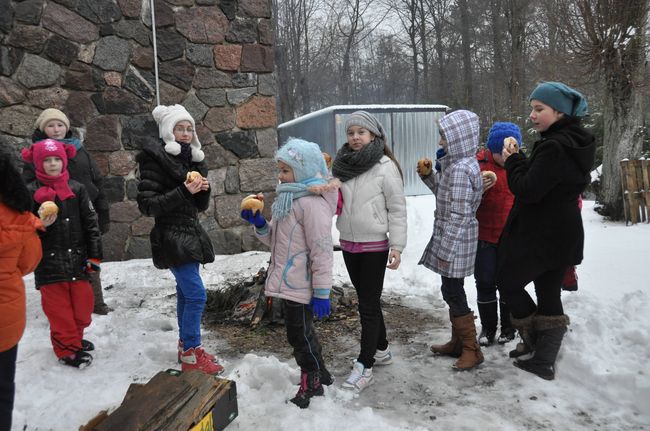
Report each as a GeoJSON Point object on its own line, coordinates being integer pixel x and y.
{"type": "Point", "coordinates": [349, 164]}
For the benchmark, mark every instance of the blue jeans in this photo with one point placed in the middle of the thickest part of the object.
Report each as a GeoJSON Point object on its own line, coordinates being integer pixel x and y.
{"type": "Point", "coordinates": [190, 301]}
{"type": "Point", "coordinates": [485, 272]}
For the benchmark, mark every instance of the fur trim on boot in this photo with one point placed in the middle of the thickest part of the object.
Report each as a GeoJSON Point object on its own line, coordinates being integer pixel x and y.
{"type": "Point", "coordinates": [550, 331]}
{"type": "Point", "coordinates": [453, 347]}
{"type": "Point", "coordinates": [525, 328]}
{"type": "Point", "coordinates": [471, 355]}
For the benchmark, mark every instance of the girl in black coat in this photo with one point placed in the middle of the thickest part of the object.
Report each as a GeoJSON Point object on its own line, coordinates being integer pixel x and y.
{"type": "Point", "coordinates": [178, 241]}
{"type": "Point", "coordinates": [72, 249]}
{"type": "Point", "coordinates": [544, 233]}
{"type": "Point", "coordinates": [54, 124]}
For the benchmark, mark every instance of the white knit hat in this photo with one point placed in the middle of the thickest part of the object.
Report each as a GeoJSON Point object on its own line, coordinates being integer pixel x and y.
{"type": "Point", "coordinates": [48, 115]}
{"type": "Point", "coordinates": [167, 117]}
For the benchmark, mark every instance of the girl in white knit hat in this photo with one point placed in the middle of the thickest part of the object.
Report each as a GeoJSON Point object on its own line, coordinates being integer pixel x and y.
{"type": "Point", "coordinates": [174, 198]}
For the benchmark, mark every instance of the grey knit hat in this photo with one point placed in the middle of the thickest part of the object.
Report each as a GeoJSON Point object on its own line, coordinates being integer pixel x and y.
{"type": "Point", "coordinates": [367, 121]}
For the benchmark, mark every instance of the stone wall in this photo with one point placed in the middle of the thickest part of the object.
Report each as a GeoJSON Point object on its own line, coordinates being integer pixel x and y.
{"type": "Point", "coordinates": [93, 59]}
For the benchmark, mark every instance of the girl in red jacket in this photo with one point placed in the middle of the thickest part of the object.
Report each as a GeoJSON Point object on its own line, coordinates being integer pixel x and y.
{"type": "Point", "coordinates": [492, 215]}
{"type": "Point", "coordinates": [20, 252]}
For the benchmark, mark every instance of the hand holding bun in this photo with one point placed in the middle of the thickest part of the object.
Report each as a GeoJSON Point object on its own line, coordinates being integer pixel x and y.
{"type": "Point", "coordinates": [489, 175]}
{"type": "Point", "coordinates": [511, 145]}
{"type": "Point", "coordinates": [253, 202]}
{"type": "Point", "coordinates": [424, 167]}
{"type": "Point", "coordinates": [191, 176]}
{"type": "Point", "coordinates": [47, 208]}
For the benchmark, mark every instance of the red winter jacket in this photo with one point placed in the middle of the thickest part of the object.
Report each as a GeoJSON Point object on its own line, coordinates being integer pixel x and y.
{"type": "Point", "coordinates": [496, 202]}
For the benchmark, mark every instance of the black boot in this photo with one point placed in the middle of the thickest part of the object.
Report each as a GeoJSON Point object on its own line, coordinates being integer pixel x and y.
{"type": "Point", "coordinates": [79, 359]}
{"type": "Point", "coordinates": [310, 386]}
{"type": "Point", "coordinates": [507, 331]}
{"type": "Point", "coordinates": [525, 328]}
{"type": "Point", "coordinates": [488, 314]}
{"type": "Point", "coordinates": [550, 331]}
{"type": "Point", "coordinates": [325, 377]}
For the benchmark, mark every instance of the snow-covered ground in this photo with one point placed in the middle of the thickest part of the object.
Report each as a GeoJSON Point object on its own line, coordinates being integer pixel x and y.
{"type": "Point", "coordinates": [602, 382]}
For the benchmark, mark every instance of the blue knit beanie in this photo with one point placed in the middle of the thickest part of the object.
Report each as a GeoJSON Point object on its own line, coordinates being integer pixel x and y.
{"type": "Point", "coordinates": [500, 131]}
{"type": "Point", "coordinates": [304, 157]}
{"type": "Point", "coordinates": [561, 97]}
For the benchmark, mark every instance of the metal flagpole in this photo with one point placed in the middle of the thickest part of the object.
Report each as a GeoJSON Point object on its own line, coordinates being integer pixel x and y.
{"type": "Point", "coordinates": [155, 52]}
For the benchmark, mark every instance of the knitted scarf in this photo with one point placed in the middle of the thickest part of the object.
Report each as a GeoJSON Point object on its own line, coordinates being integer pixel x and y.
{"type": "Point", "coordinates": [72, 141]}
{"type": "Point", "coordinates": [53, 186]}
{"type": "Point", "coordinates": [287, 192]}
{"type": "Point", "coordinates": [349, 164]}
{"type": "Point", "coordinates": [186, 154]}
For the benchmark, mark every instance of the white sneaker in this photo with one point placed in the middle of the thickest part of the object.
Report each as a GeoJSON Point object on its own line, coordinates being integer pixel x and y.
{"type": "Point", "coordinates": [360, 378]}
{"type": "Point", "coordinates": [383, 357]}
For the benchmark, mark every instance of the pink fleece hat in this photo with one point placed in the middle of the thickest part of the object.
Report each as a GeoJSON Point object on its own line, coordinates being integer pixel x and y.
{"type": "Point", "coordinates": [40, 150]}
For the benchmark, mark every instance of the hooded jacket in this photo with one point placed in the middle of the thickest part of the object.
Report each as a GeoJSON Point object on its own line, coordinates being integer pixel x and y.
{"type": "Point", "coordinates": [301, 249]}
{"type": "Point", "coordinates": [20, 252]}
{"type": "Point", "coordinates": [544, 228]}
{"type": "Point", "coordinates": [177, 237]}
{"type": "Point", "coordinates": [458, 188]}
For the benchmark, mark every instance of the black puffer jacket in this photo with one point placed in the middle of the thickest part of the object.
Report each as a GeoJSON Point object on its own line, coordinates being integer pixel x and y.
{"type": "Point", "coordinates": [544, 228]}
{"type": "Point", "coordinates": [177, 237]}
{"type": "Point", "coordinates": [82, 168]}
{"type": "Point", "coordinates": [70, 240]}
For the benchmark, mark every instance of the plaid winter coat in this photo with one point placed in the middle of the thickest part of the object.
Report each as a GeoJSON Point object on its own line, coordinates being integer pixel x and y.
{"type": "Point", "coordinates": [458, 189]}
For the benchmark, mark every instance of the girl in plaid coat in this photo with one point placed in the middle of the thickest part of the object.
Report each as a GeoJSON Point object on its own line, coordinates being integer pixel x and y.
{"type": "Point", "coordinates": [452, 249]}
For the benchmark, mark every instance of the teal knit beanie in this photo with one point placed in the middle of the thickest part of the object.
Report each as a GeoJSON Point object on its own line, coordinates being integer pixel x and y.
{"type": "Point", "coordinates": [561, 97]}
{"type": "Point", "coordinates": [304, 157]}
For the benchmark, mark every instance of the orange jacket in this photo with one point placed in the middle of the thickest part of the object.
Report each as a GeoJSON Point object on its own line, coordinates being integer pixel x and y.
{"type": "Point", "coordinates": [20, 252]}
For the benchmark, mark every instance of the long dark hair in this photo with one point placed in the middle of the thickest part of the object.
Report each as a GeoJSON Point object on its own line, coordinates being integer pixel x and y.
{"type": "Point", "coordinates": [13, 191]}
{"type": "Point", "coordinates": [39, 135]}
{"type": "Point", "coordinates": [390, 155]}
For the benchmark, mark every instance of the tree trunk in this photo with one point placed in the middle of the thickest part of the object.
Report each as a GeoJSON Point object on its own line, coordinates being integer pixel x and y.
{"type": "Point", "coordinates": [467, 53]}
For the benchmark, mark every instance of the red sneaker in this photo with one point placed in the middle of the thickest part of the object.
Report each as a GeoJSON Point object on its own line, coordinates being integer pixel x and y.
{"type": "Point", "coordinates": [207, 355]}
{"type": "Point", "coordinates": [195, 359]}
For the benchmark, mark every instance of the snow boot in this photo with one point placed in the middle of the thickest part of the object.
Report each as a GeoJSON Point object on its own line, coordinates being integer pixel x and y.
{"type": "Point", "coordinates": [525, 328]}
{"type": "Point", "coordinates": [195, 358]}
{"type": "Point", "coordinates": [453, 347]}
{"type": "Point", "coordinates": [550, 331]}
{"type": "Point", "coordinates": [471, 355]}
{"type": "Point", "coordinates": [310, 386]}
{"type": "Point", "coordinates": [326, 378]}
{"type": "Point", "coordinates": [507, 334]}
{"type": "Point", "coordinates": [87, 346]}
{"type": "Point", "coordinates": [79, 359]}
{"type": "Point", "coordinates": [507, 331]}
{"type": "Point", "coordinates": [488, 314]}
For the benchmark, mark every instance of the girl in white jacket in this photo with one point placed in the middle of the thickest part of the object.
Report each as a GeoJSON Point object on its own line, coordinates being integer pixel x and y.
{"type": "Point", "coordinates": [372, 226]}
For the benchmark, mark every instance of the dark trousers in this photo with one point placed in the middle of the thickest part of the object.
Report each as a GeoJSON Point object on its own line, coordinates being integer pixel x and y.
{"type": "Point", "coordinates": [366, 272]}
{"type": "Point", "coordinates": [548, 289]}
{"type": "Point", "coordinates": [453, 293]}
{"type": "Point", "coordinates": [485, 275]}
{"type": "Point", "coordinates": [7, 386]}
{"type": "Point", "coordinates": [298, 319]}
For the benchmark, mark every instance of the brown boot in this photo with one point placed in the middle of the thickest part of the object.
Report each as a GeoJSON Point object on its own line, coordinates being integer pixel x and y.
{"type": "Point", "coordinates": [453, 347]}
{"type": "Point", "coordinates": [525, 328]}
{"type": "Point", "coordinates": [471, 355]}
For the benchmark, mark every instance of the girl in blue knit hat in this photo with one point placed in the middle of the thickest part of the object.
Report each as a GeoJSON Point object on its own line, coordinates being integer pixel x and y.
{"type": "Point", "coordinates": [492, 215]}
{"type": "Point", "coordinates": [300, 272]}
{"type": "Point", "coordinates": [544, 234]}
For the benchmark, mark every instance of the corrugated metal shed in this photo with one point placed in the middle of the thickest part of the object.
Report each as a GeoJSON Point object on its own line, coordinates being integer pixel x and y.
{"type": "Point", "coordinates": [412, 132]}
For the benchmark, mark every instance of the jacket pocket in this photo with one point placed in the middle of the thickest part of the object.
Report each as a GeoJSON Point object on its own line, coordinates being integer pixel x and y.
{"type": "Point", "coordinates": [378, 214]}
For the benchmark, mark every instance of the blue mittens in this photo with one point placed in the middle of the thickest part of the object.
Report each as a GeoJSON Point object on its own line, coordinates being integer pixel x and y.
{"type": "Point", "coordinates": [320, 307]}
{"type": "Point", "coordinates": [256, 219]}
{"type": "Point", "coordinates": [439, 155]}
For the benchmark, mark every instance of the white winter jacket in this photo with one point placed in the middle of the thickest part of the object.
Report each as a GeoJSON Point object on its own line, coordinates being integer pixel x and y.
{"type": "Point", "coordinates": [374, 206]}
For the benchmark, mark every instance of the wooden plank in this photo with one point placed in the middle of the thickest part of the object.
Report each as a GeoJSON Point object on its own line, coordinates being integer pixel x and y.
{"type": "Point", "coordinates": [645, 173]}
{"type": "Point", "coordinates": [640, 190]}
{"type": "Point", "coordinates": [626, 203]}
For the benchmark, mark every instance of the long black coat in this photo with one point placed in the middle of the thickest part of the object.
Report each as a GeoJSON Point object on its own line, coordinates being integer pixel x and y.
{"type": "Point", "coordinates": [70, 240]}
{"type": "Point", "coordinates": [82, 168]}
{"type": "Point", "coordinates": [177, 237]}
{"type": "Point", "coordinates": [544, 228]}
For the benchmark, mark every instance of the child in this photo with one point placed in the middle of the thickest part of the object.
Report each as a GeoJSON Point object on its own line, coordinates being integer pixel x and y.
{"type": "Point", "coordinates": [491, 215]}
{"type": "Point", "coordinates": [71, 249]}
{"type": "Point", "coordinates": [54, 124]}
{"type": "Point", "coordinates": [20, 252]}
{"type": "Point", "coordinates": [544, 234]}
{"type": "Point", "coordinates": [178, 241]}
{"type": "Point", "coordinates": [452, 249]}
{"type": "Point", "coordinates": [372, 226]}
{"type": "Point", "coordinates": [300, 237]}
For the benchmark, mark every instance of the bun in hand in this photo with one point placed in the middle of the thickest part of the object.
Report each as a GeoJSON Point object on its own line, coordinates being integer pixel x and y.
{"type": "Point", "coordinates": [47, 208]}
{"type": "Point", "coordinates": [424, 167]}
{"type": "Point", "coordinates": [253, 202]}
{"type": "Point", "coordinates": [191, 176]}
{"type": "Point", "coordinates": [511, 144]}
{"type": "Point", "coordinates": [489, 174]}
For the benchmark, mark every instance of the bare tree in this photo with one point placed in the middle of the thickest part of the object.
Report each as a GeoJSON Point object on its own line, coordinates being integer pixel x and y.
{"type": "Point", "coordinates": [609, 37]}
{"type": "Point", "coordinates": [466, 47]}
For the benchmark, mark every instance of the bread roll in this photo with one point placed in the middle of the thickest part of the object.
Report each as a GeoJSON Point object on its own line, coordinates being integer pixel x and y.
{"type": "Point", "coordinates": [511, 144]}
{"type": "Point", "coordinates": [47, 208]}
{"type": "Point", "coordinates": [253, 202]}
{"type": "Point", "coordinates": [328, 160]}
{"type": "Point", "coordinates": [191, 176]}
{"type": "Point", "coordinates": [489, 174]}
{"type": "Point", "coordinates": [424, 166]}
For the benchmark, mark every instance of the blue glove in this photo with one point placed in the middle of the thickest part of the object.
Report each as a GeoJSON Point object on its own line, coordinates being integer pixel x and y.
{"type": "Point", "coordinates": [320, 307]}
{"type": "Point", "coordinates": [256, 219]}
{"type": "Point", "coordinates": [439, 155]}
